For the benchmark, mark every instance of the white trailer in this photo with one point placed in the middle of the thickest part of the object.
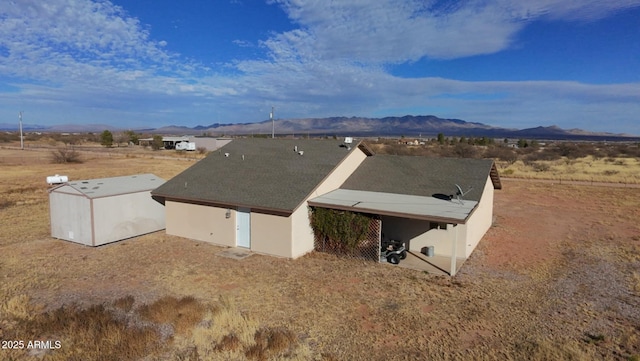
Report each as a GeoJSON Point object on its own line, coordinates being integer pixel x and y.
{"type": "Point", "coordinates": [186, 146]}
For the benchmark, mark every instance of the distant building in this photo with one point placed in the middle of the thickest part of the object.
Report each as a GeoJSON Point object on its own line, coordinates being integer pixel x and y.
{"type": "Point", "coordinates": [209, 143]}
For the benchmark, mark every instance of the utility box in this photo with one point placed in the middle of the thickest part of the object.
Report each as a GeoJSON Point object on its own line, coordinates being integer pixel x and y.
{"type": "Point", "coordinates": [427, 251]}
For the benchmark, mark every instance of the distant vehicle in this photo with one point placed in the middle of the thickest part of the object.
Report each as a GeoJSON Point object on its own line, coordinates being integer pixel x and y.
{"type": "Point", "coordinates": [189, 146]}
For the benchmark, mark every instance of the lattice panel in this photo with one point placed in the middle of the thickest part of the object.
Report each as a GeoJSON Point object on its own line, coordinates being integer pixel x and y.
{"type": "Point", "coordinates": [368, 248]}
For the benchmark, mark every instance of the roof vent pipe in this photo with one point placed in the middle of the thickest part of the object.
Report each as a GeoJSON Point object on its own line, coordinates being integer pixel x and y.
{"type": "Point", "coordinates": [301, 152]}
{"type": "Point", "coordinates": [295, 148]}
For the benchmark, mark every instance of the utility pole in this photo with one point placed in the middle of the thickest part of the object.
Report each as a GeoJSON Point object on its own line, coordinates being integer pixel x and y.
{"type": "Point", "coordinates": [21, 138]}
{"type": "Point", "coordinates": [273, 124]}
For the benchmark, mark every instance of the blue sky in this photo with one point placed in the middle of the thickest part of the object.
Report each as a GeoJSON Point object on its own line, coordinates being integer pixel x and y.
{"type": "Point", "coordinates": [149, 63]}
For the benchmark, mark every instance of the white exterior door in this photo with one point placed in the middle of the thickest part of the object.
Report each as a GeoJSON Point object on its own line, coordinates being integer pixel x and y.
{"type": "Point", "coordinates": [243, 227]}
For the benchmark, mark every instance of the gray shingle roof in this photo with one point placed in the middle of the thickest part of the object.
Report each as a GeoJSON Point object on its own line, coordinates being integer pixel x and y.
{"type": "Point", "coordinates": [421, 176]}
{"type": "Point", "coordinates": [272, 176]}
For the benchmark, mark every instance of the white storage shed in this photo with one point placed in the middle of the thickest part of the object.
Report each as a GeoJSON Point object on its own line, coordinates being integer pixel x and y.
{"type": "Point", "coordinates": [94, 212]}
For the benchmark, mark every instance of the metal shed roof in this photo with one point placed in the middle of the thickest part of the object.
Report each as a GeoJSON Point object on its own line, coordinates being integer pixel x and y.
{"type": "Point", "coordinates": [401, 205]}
{"type": "Point", "coordinates": [104, 187]}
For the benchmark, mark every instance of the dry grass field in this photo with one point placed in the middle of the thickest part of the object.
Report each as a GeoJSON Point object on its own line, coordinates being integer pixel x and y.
{"type": "Point", "coordinates": [557, 277]}
{"type": "Point", "coordinates": [585, 169]}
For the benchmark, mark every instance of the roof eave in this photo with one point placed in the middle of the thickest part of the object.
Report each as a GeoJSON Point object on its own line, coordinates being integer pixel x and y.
{"type": "Point", "coordinates": [203, 202]}
{"type": "Point", "coordinates": [365, 148]}
{"type": "Point", "coordinates": [391, 213]}
{"type": "Point", "coordinates": [495, 176]}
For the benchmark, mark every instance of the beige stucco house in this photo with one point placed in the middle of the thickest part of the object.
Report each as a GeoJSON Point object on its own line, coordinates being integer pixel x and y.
{"type": "Point", "coordinates": [256, 194]}
{"type": "Point", "coordinates": [253, 193]}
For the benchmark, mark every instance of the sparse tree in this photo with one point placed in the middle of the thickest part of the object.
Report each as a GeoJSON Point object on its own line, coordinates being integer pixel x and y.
{"type": "Point", "coordinates": [157, 142]}
{"type": "Point", "coordinates": [441, 138]}
{"type": "Point", "coordinates": [65, 155]}
{"type": "Point", "coordinates": [106, 138]}
{"type": "Point", "coordinates": [462, 150]}
{"type": "Point", "coordinates": [121, 137]}
{"type": "Point", "coordinates": [133, 137]}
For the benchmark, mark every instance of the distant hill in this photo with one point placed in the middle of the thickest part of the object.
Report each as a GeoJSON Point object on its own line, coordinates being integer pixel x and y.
{"type": "Point", "coordinates": [408, 125]}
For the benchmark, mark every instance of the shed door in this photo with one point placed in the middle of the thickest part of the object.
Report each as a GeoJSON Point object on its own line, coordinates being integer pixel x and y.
{"type": "Point", "coordinates": [243, 227]}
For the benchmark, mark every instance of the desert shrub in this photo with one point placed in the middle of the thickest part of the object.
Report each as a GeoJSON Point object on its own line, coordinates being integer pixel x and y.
{"type": "Point", "coordinates": [106, 138]}
{"type": "Point", "coordinates": [541, 155]}
{"type": "Point", "coordinates": [181, 313]}
{"type": "Point", "coordinates": [157, 143]}
{"type": "Point", "coordinates": [463, 150]}
{"type": "Point", "coordinates": [65, 155]}
{"type": "Point", "coordinates": [523, 152]}
{"type": "Point", "coordinates": [20, 307]}
{"type": "Point", "coordinates": [6, 137]}
{"type": "Point", "coordinates": [269, 342]}
{"type": "Point", "coordinates": [553, 350]}
{"type": "Point", "coordinates": [95, 333]}
{"type": "Point", "coordinates": [502, 153]}
{"type": "Point", "coordinates": [622, 150]}
{"type": "Point", "coordinates": [342, 229]}
{"type": "Point", "coordinates": [124, 303]}
{"type": "Point", "coordinates": [540, 166]}
{"type": "Point", "coordinates": [396, 149]}
{"type": "Point", "coordinates": [229, 342]}
{"type": "Point", "coordinates": [570, 150]}
{"type": "Point", "coordinates": [633, 150]}
{"type": "Point", "coordinates": [201, 150]}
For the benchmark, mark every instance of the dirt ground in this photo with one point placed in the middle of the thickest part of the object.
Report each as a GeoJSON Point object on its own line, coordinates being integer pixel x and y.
{"type": "Point", "coordinates": [556, 277]}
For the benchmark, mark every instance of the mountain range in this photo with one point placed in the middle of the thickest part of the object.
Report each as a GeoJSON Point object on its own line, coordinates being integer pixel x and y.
{"type": "Point", "coordinates": [409, 126]}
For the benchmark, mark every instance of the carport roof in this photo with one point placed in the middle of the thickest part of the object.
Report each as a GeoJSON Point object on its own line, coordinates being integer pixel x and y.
{"type": "Point", "coordinates": [399, 205]}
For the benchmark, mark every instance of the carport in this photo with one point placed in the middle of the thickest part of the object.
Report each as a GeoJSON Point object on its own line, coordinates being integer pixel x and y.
{"type": "Point", "coordinates": [419, 221]}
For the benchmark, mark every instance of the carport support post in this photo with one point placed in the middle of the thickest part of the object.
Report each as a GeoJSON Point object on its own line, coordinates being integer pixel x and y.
{"type": "Point", "coordinates": [454, 251]}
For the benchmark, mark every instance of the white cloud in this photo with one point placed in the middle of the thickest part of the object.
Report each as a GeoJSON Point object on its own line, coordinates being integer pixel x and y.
{"type": "Point", "coordinates": [59, 40]}
{"type": "Point", "coordinates": [72, 57]}
{"type": "Point", "coordinates": [391, 31]}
